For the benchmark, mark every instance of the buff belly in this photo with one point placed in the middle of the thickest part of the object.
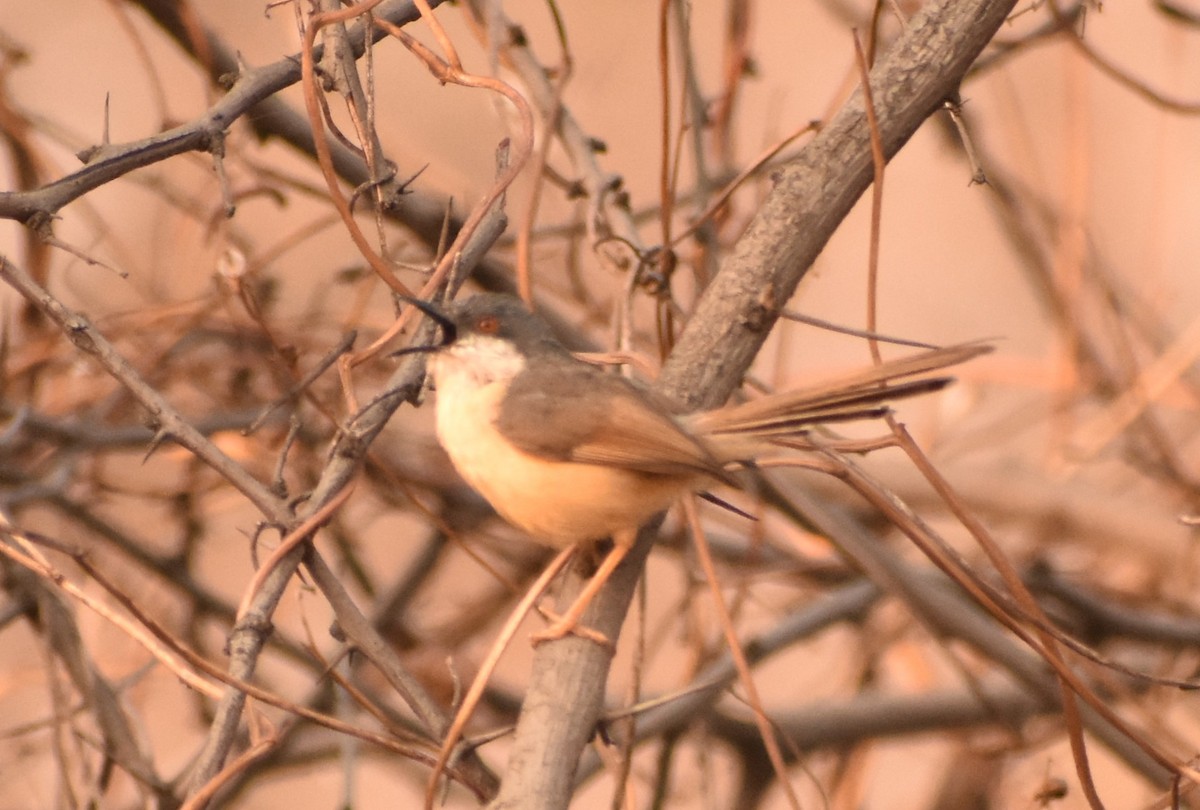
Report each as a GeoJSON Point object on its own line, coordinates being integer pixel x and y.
{"type": "Point", "coordinates": [558, 503]}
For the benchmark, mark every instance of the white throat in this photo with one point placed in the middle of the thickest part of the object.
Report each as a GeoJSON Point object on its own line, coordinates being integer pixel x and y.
{"type": "Point", "coordinates": [475, 361]}
{"type": "Point", "coordinates": [471, 377]}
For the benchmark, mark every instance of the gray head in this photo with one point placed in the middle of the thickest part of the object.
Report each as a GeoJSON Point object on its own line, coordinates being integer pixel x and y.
{"type": "Point", "coordinates": [504, 317]}
{"type": "Point", "coordinates": [490, 317]}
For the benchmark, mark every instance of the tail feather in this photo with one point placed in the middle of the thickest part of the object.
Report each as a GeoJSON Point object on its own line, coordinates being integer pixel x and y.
{"type": "Point", "coordinates": [858, 396]}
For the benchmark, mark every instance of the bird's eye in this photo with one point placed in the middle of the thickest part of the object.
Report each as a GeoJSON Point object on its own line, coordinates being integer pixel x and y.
{"type": "Point", "coordinates": [487, 325]}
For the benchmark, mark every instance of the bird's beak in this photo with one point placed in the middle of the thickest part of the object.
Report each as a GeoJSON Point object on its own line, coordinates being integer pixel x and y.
{"type": "Point", "coordinates": [449, 330]}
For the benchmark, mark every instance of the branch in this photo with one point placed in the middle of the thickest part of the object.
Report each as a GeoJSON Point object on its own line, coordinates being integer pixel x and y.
{"type": "Point", "coordinates": [732, 320]}
{"type": "Point", "coordinates": [421, 213]}
{"type": "Point", "coordinates": [252, 94]}
{"type": "Point", "coordinates": [168, 422]}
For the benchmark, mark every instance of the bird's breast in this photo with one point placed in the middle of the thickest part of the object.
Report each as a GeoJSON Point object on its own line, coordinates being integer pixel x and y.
{"type": "Point", "coordinates": [559, 503]}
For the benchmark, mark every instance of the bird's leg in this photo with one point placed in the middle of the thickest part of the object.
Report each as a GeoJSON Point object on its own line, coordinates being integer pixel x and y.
{"type": "Point", "coordinates": [568, 623]}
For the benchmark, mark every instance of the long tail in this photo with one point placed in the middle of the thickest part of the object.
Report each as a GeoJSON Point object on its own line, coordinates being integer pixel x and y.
{"type": "Point", "coordinates": [857, 396]}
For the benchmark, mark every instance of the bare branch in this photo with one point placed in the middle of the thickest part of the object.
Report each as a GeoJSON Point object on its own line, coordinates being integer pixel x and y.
{"type": "Point", "coordinates": [810, 198]}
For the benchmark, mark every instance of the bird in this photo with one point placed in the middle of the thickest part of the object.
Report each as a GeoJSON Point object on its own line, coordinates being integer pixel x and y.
{"type": "Point", "coordinates": [572, 454]}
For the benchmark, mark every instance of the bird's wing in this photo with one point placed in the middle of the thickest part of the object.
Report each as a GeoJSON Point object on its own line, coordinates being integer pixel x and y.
{"type": "Point", "coordinates": [592, 417]}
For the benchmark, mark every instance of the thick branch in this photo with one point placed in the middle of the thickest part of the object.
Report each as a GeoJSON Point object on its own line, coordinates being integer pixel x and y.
{"type": "Point", "coordinates": [811, 196]}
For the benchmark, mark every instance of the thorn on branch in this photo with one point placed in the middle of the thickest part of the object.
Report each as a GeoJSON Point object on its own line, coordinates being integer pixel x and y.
{"type": "Point", "coordinates": [85, 155]}
{"type": "Point", "coordinates": [391, 189]}
{"type": "Point", "coordinates": [397, 191]}
{"type": "Point", "coordinates": [160, 435]}
{"type": "Point", "coordinates": [40, 223]}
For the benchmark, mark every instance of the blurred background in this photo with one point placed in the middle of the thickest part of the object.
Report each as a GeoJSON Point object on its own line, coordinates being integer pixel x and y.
{"type": "Point", "coordinates": [1073, 443]}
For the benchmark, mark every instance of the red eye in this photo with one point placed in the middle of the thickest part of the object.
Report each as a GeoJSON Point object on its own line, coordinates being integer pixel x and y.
{"type": "Point", "coordinates": [487, 325]}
